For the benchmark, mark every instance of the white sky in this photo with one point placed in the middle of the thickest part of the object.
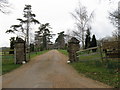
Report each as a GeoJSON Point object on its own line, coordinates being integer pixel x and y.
{"type": "Point", "coordinates": [57, 13]}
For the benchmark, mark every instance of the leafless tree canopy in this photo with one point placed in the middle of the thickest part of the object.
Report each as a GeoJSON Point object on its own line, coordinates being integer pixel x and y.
{"type": "Point", "coordinates": [82, 22]}
{"type": "Point", "coordinates": [115, 20]}
{"type": "Point", "coordinates": [4, 5]}
{"type": "Point", "coordinates": [114, 17]}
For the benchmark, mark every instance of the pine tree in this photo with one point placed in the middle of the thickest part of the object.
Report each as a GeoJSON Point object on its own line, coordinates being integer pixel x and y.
{"type": "Point", "coordinates": [87, 40]}
{"type": "Point", "coordinates": [22, 29]}
{"type": "Point", "coordinates": [45, 33]}
{"type": "Point", "coordinates": [93, 43]}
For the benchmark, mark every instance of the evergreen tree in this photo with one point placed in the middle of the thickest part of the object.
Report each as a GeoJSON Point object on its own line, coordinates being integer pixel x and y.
{"type": "Point", "coordinates": [93, 43]}
{"type": "Point", "coordinates": [45, 34]}
{"type": "Point", "coordinates": [87, 40]}
{"type": "Point", "coordinates": [31, 47]}
{"type": "Point", "coordinates": [12, 43]}
{"type": "Point", "coordinates": [22, 29]}
{"type": "Point", "coordinates": [60, 41]}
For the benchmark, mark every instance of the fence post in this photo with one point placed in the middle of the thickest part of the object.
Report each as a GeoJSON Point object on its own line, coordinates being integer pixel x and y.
{"type": "Point", "coordinates": [101, 53]}
{"type": "Point", "coordinates": [73, 47]}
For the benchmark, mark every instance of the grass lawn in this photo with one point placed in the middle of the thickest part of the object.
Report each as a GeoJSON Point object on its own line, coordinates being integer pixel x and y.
{"type": "Point", "coordinates": [63, 51]}
{"type": "Point", "coordinates": [8, 62]}
{"type": "Point", "coordinates": [98, 71]}
{"type": "Point", "coordinates": [33, 54]}
{"type": "Point", "coordinates": [91, 66]}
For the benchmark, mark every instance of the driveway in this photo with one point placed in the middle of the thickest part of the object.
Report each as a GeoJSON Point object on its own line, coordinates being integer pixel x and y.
{"type": "Point", "coordinates": [49, 70]}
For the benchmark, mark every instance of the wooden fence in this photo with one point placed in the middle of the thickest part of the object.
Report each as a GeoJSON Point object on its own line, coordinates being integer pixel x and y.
{"type": "Point", "coordinates": [108, 50]}
{"type": "Point", "coordinates": [6, 55]}
{"type": "Point", "coordinates": [88, 50]}
{"type": "Point", "coordinates": [112, 49]}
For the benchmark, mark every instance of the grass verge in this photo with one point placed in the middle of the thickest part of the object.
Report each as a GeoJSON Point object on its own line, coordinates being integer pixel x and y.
{"type": "Point", "coordinates": [63, 51]}
{"type": "Point", "coordinates": [8, 62]}
{"type": "Point", "coordinates": [33, 54]}
{"type": "Point", "coordinates": [98, 71]}
{"type": "Point", "coordinates": [91, 66]}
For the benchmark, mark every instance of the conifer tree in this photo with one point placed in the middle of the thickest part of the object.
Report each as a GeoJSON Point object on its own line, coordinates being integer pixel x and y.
{"type": "Point", "coordinates": [45, 33]}
{"type": "Point", "coordinates": [93, 43]}
{"type": "Point", "coordinates": [87, 40]}
{"type": "Point", "coordinates": [60, 41]}
{"type": "Point", "coordinates": [12, 43]}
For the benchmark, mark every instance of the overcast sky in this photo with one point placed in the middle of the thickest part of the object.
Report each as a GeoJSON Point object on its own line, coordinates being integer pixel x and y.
{"type": "Point", "coordinates": [57, 13]}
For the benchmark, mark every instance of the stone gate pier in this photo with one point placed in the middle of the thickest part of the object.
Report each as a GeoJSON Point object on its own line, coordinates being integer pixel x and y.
{"type": "Point", "coordinates": [73, 47]}
{"type": "Point", "coordinates": [19, 51]}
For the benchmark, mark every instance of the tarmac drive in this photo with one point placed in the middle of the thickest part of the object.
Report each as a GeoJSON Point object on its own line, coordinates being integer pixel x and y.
{"type": "Point", "coordinates": [49, 70]}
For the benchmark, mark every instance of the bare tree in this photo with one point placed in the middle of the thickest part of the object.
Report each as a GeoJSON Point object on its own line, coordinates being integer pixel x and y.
{"type": "Point", "coordinates": [4, 5]}
{"type": "Point", "coordinates": [110, 1]}
{"type": "Point", "coordinates": [115, 20]}
{"type": "Point", "coordinates": [82, 22]}
{"type": "Point", "coordinates": [115, 34]}
{"type": "Point", "coordinates": [69, 35]}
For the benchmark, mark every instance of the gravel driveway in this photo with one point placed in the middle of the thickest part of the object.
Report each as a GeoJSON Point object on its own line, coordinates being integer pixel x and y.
{"type": "Point", "coordinates": [49, 70]}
